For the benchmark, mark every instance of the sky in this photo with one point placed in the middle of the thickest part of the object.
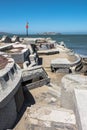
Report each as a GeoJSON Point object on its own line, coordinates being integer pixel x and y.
{"type": "Point", "coordinates": [63, 16]}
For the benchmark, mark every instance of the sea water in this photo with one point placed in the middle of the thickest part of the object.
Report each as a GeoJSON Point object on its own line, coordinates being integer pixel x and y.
{"type": "Point", "coordinates": [78, 43]}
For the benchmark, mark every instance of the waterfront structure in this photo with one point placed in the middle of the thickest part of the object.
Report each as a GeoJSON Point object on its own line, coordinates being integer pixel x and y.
{"type": "Point", "coordinates": [27, 58]}
{"type": "Point", "coordinates": [80, 108]}
{"type": "Point", "coordinates": [51, 118]}
{"type": "Point", "coordinates": [6, 39]}
{"type": "Point", "coordinates": [19, 52]}
{"type": "Point", "coordinates": [64, 65]}
{"type": "Point", "coordinates": [34, 58]}
{"type": "Point", "coordinates": [15, 39]}
{"type": "Point", "coordinates": [43, 45]}
{"type": "Point", "coordinates": [34, 77]}
{"type": "Point", "coordinates": [22, 53]}
{"type": "Point", "coordinates": [74, 96]}
{"type": "Point", "coordinates": [69, 83]}
{"type": "Point", "coordinates": [11, 93]}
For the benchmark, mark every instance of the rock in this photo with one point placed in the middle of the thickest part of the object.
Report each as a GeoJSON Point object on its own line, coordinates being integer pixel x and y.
{"type": "Point", "coordinates": [15, 39]}
{"type": "Point", "coordinates": [6, 39]}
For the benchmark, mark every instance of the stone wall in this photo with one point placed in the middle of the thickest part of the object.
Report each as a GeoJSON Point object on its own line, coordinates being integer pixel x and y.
{"type": "Point", "coordinates": [20, 57]}
{"type": "Point", "coordinates": [35, 77]}
{"type": "Point", "coordinates": [8, 115]}
{"type": "Point", "coordinates": [38, 83]}
{"type": "Point", "coordinates": [11, 94]}
{"type": "Point", "coordinates": [19, 98]}
{"type": "Point", "coordinates": [13, 104]}
{"type": "Point", "coordinates": [33, 73]}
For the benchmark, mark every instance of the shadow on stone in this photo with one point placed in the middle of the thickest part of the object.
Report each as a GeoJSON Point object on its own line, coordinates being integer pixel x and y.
{"type": "Point", "coordinates": [40, 61]}
{"type": "Point", "coordinates": [85, 73]}
{"type": "Point", "coordinates": [28, 101]}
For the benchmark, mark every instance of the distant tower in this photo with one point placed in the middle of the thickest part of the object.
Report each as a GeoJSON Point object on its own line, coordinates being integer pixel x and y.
{"type": "Point", "coordinates": [27, 28]}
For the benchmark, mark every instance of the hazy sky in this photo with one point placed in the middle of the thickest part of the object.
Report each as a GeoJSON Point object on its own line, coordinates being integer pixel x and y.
{"type": "Point", "coordinates": [43, 15]}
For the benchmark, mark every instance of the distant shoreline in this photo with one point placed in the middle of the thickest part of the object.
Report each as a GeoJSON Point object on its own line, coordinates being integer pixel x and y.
{"type": "Point", "coordinates": [40, 34]}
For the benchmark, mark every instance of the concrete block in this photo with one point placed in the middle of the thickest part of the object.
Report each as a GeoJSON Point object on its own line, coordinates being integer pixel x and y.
{"type": "Point", "coordinates": [51, 118]}
{"type": "Point", "coordinates": [8, 115]}
{"type": "Point", "coordinates": [69, 82]}
{"type": "Point", "coordinates": [80, 108]}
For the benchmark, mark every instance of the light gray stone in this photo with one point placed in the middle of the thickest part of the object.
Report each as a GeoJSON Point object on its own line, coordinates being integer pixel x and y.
{"type": "Point", "coordinates": [52, 118]}
{"type": "Point", "coordinates": [10, 89]}
{"type": "Point", "coordinates": [15, 38]}
{"type": "Point", "coordinates": [80, 100]}
{"type": "Point", "coordinates": [6, 39]}
{"type": "Point", "coordinates": [69, 82]}
{"type": "Point", "coordinates": [64, 65]}
{"type": "Point", "coordinates": [8, 115]}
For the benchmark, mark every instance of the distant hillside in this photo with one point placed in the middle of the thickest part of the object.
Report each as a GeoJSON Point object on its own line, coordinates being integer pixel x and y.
{"type": "Point", "coordinates": [5, 33]}
{"type": "Point", "coordinates": [50, 33]}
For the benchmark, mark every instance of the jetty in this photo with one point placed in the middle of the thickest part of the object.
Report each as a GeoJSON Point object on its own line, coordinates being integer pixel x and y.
{"type": "Point", "coordinates": [11, 93]}
{"type": "Point", "coordinates": [43, 85]}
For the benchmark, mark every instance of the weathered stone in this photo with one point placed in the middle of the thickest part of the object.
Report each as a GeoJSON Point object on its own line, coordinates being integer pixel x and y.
{"type": "Point", "coordinates": [6, 39]}
{"type": "Point", "coordinates": [15, 39]}
{"type": "Point", "coordinates": [18, 52]}
{"type": "Point", "coordinates": [8, 115]}
{"type": "Point", "coordinates": [69, 82]}
{"type": "Point", "coordinates": [52, 117]}
{"type": "Point", "coordinates": [10, 93]}
{"type": "Point", "coordinates": [37, 75]}
{"type": "Point", "coordinates": [33, 121]}
{"type": "Point", "coordinates": [80, 108]}
{"type": "Point", "coordinates": [65, 66]}
{"type": "Point", "coordinates": [48, 52]}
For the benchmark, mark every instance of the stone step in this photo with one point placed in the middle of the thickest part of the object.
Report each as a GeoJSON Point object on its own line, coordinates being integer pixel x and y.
{"type": "Point", "coordinates": [51, 118]}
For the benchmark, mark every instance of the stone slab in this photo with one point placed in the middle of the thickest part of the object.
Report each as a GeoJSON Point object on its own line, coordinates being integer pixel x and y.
{"type": "Point", "coordinates": [80, 99]}
{"type": "Point", "coordinates": [52, 118]}
{"type": "Point", "coordinates": [60, 61]}
{"type": "Point", "coordinates": [69, 82]}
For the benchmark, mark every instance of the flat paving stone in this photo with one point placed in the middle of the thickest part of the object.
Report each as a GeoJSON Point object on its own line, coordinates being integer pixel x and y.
{"type": "Point", "coordinates": [51, 117]}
